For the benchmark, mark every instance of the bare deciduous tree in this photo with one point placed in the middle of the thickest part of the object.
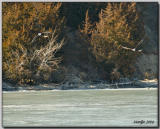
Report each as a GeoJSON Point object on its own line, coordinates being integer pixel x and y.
{"type": "Point", "coordinates": [45, 57]}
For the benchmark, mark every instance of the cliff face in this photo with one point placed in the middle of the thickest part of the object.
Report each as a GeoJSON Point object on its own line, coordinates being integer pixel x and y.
{"type": "Point", "coordinates": [147, 63]}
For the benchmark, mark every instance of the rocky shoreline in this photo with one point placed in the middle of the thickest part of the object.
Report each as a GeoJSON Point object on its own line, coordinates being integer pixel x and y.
{"type": "Point", "coordinates": [67, 86]}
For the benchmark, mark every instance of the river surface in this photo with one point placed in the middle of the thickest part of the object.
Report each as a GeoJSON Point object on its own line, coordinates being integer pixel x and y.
{"type": "Point", "coordinates": [81, 108]}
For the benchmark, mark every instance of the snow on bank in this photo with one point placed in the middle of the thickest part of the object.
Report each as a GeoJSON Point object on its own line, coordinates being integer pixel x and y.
{"type": "Point", "coordinates": [147, 84]}
{"type": "Point", "coordinates": [76, 90]}
{"type": "Point", "coordinates": [150, 81]}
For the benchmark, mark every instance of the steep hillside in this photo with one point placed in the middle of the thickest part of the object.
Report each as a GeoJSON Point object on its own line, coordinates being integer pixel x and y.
{"type": "Point", "coordinates": [77, 60]}
{"type": "Point", "coordinates": [80, 62]}
{"type": "Point", "coordinates": [101, 41]}
{"type": "Point", "coordinates": [147, 63]}
{"type": "Point", "coordinates": [81, 65]}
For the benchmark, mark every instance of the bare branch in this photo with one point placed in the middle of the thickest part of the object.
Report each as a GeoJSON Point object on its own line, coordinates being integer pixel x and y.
{"type": "Point", "coordinates": [46, 55]}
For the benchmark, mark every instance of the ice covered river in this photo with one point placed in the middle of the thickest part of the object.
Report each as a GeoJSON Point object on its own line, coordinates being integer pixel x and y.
{"type": "Point", "coordinates": [82, 108]}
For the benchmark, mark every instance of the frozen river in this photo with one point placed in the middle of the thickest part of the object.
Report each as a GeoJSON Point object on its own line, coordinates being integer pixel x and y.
{"type": "Point", "coordinates": [82, 108]}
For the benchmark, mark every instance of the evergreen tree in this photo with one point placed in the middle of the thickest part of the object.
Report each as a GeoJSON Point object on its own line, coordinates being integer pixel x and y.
{"type": "Point", "coordinates": [87, 25]}
{"type": "Point", "coordinates": [22, 22]}
{"type": "Point", "coordinates": [119, 27]}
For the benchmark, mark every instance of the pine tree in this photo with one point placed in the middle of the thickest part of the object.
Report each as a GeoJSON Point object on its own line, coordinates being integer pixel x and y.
{"type": "Point", "coordinates": [119, 25]}
{"type": "Point", "coordinates": [87, 26]}
{"type": "Point", "coordinates": [22, 22]}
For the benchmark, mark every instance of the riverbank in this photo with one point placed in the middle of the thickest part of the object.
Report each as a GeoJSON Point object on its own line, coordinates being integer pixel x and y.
{"type": "Point", "coordinates": [82, 86]}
